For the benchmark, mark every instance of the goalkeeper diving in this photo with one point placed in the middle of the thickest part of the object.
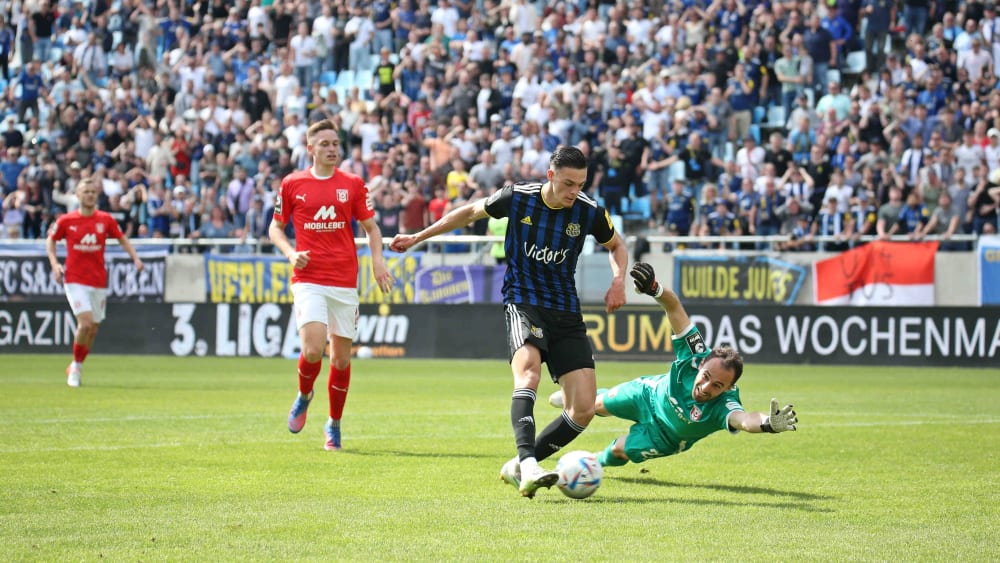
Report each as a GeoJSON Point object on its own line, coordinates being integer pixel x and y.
{"type": "Point", "coordinates": [697, 397]}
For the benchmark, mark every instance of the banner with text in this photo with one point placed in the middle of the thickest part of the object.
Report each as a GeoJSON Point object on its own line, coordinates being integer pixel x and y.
{"type": "Point", "coordinates": [988, 252]}
{"type": "Point", "coordinates": [736, 279]}
{"type": "Point", "coordinates": [879, 273]}
{"type": "Point", "coordinates": [28, 277]}
{"type": "Point", "coordinates": [267, 279]}
{"type": "Point", "coordinates": [873, 336]}
{"type": "Point", "coordinates": [459, 284]}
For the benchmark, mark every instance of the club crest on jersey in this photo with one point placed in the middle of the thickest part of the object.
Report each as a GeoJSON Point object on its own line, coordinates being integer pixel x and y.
{"type": "Point", "coordinates": [695, 413]}
{"type": "Point", "coordinates": [573, 230]}
{"type": "Point", "coordinates": [342, 196]}
{"type": "Point", "coordinates": [100, 228]}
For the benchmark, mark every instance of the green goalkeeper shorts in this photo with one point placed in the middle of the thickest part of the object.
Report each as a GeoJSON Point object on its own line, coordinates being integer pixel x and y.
{"type": "Point", "coordinates": [633, 400]}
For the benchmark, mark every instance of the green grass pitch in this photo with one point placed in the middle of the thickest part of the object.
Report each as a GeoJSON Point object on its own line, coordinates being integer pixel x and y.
{"type": "Point", "coordinates": [189, 459]}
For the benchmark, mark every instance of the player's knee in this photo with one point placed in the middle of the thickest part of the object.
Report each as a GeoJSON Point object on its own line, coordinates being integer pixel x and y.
{"type": "Point", "coordinates": [341, 363]}
{"type": "Point", "coordinates": [86, 327]}
{"type": "Point", "coordinates": [582, 414]}
{"type": "Point", "coordinates": [312, 354]}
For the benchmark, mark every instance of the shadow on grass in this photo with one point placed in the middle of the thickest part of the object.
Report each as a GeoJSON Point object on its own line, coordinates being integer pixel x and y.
{"type": "Point", "coordinates": [397, 453]}
{"type": "Point", "coordinates": [739, 489]}
{"type": "Point", "coordinates": [802, 506]}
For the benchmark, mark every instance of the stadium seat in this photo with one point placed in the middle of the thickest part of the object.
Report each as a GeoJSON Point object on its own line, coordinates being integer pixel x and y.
{"type": "Point", "coordinates": [759, 112]}
{"type": "Point", "coordinates": [328, 78]}
{"type": "Point", "coordinates": [639, 208]}
{"type": "Point", "coordinates": [345, 79]}
{"type": "Point", "coordinates": [833, 75]}
{"type": "Point", "coordinates": [729, 152]}
{"type": "Point", "coordinates": [755, 132]}
{"type": "Point", "coordinates": [775, 117]}
{"type": "Point", "coordinates": [857, 62]}
{"type": "Point", "coordinates": [677, 171]}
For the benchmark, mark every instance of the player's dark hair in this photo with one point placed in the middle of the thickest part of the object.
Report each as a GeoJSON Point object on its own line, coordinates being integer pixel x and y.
{"type": "Point", "coordinates": [731, 359]}
{"type": "Point", "coordinates": [567, 157]}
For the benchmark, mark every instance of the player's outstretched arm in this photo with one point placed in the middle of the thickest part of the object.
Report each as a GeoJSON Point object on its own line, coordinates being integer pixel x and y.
{"type": "Point", "coordinates": [774, 422]}
{"type": "Point", "coordinates": [618, 256]}
{"type": "Point", "coordinates": [50, 249]}
{"type": "Point", "coordinates": [382, 276]}
{"type": "Point", "coordinates": [644, 279]}
{"type": "Point", "coordinates": [127, 245]}
{"type": "Point", "coordinates": [458, 217]}
{"type": "Point", "coordinates": [276, 232]}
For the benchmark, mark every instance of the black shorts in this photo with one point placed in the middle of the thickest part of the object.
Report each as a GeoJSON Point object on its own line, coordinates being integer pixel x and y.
{"type": "Point", "coordinates": [561, 337]}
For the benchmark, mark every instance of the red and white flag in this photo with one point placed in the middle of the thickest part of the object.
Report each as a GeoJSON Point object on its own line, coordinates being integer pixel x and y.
{"type": "Point", "coordinates": [878, 273]}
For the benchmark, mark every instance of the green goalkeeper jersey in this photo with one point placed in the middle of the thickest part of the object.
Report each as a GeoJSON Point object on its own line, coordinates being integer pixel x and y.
{"type": "Point", "coordinates": [681, 419]}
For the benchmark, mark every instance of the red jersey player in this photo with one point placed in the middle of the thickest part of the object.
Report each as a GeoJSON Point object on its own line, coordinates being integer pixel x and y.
{"type": "Point", "coordinates": [86, 231]}
{"type": "Point", "coordinates": [320, 203]}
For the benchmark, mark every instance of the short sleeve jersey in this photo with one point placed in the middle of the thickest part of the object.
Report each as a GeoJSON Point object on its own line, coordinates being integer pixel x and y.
{"type": "Point", "coordinates": [543, 244]}
{"type": "Point", "coordinates": [321, 211]}
{"type": "Point", "coordinates": [86, 236]}
{"type": "Point", "coordinates": [683, 420]}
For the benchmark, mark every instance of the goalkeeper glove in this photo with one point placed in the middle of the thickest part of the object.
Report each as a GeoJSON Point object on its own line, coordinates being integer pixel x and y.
{"type": "Point", "coordinates": [645, 279]}
{"type": "Point", "coordinates": [780, 420]}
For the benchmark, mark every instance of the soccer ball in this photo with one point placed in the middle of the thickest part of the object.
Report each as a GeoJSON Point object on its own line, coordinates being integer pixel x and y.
{"type": "Point", "coordinates": [364, 353]}
{"type": "Point", "coordinates": [579, 474]}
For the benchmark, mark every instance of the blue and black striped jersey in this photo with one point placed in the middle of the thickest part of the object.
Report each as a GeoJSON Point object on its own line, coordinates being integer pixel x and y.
{"type": "Point", "coordinates": [543, 244]}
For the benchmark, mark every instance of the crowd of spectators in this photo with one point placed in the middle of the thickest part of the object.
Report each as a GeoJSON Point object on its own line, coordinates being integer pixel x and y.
{"type": "Point", "coordinates": [838, 118]}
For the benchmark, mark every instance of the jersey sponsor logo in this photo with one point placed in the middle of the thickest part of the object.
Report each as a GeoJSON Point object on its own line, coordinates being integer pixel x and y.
{"type": "Point", "coordinates": [679, 410]}
{"type": "Point", "coordinates": [573, 229]}
{"type": "Point", "coordinates": [89, 238]}
{"type": "Point", "coordinates": [696, 343]}
{"type": "Point", "coordinates": [323, 220]}
{"type": "Point", "coordinates": [545, 255]}
{"type": "Point", "coordinates": [526, 220]}
{"type": "Point", "coordinates": [325, 213]}
{"type": "Point", "coordinates": [342, 196]}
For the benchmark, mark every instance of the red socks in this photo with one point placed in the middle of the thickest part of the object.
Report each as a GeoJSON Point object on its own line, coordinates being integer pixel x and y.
{"type": "Point", "coordinates": [340, 380]}
{"type": "Point", "coordinates": [307, 374]}
{"type": "Point", "coordinates": [80, 353]}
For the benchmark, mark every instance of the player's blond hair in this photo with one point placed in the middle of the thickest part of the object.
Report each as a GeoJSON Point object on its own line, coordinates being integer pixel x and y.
{"type": "Point", "coordinates": [319, 126]}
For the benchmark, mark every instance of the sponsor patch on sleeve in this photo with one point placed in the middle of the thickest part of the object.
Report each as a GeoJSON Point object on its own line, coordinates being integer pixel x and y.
{"type": "Point", "coordinates": [696, 343]}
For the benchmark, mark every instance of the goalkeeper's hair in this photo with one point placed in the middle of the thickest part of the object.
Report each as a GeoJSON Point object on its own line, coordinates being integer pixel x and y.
{"type": "Point", "coordinates": [731, 359]}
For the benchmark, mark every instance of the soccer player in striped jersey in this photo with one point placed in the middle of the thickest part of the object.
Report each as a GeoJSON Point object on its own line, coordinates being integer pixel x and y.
{"type": "Point", "coordinates": [548, 224]}
{"type": "Point", "coordinates": [86, 231]}
{"type": "Point", "coordinates": [695, 398]}
{"type": "Point", "coordinates": [320, 203]}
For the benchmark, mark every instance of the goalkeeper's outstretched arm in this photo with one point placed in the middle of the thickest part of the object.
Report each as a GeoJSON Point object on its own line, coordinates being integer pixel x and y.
{"type": "Point", "coordinates": [644, 279]}
{"type": "Point", "coordinates": [778, 420]}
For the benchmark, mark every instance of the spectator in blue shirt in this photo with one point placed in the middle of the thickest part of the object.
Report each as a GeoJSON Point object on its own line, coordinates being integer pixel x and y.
{"type": "Point", "coordinates": [32, 86]}
{"type": "Point", "coordinates": [879, 15]}
{"type": "Point", "coordinates": [914, 217]}
{"type": "Point", "coordinates": [840, 30]}
{"type": "Point", "coordinates": [823, 49]}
